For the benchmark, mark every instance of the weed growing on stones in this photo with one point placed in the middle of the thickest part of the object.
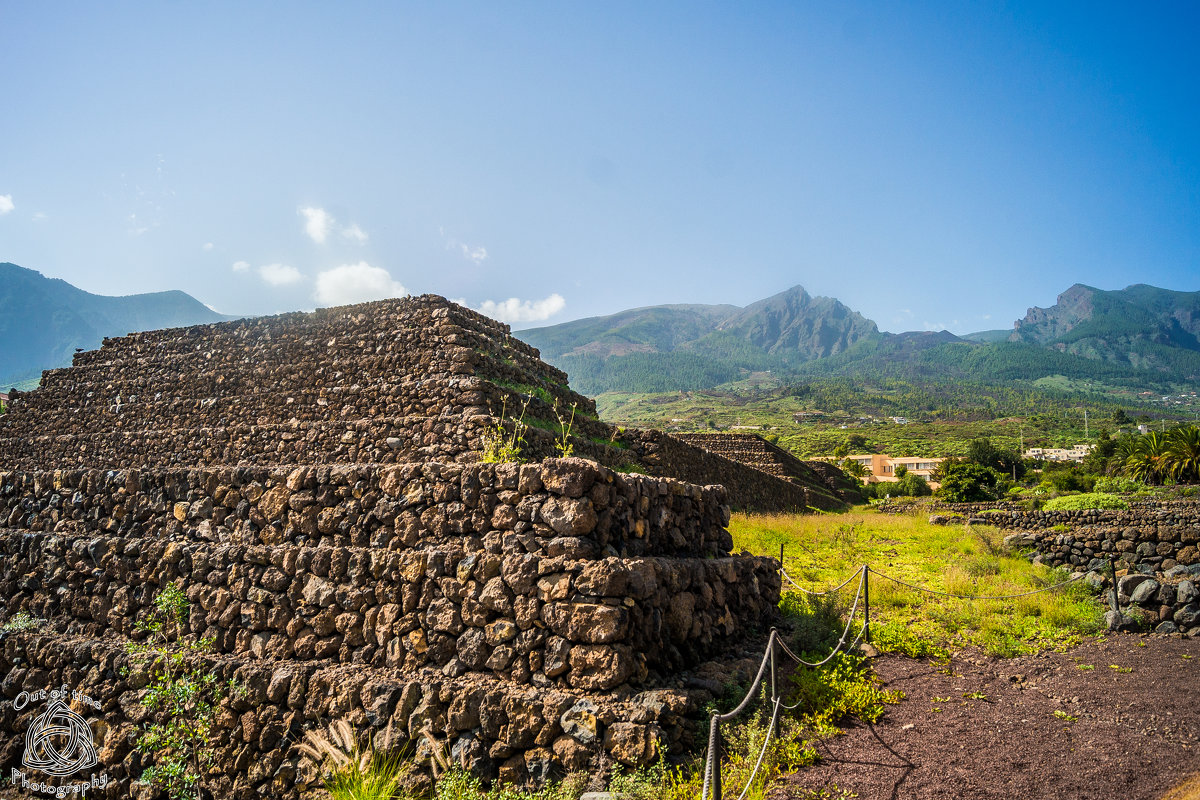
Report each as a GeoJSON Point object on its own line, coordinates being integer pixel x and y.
{"type": "Point", "coordinates": [563, 442]}
{"type": "Point", "coordinates": [352, 770]}
{"type": "Point", "coordinates": [502, 443]}
{"type": "Point", "coordinates": [182, 695]}
{"type": "Point", "coordinates": [22, 621]}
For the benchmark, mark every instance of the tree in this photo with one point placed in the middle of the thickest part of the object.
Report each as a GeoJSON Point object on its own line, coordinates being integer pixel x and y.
{"type": "Point", "coordinates": [986, 454]}
{"type": "Point", "coordinates": [855, 469]}
{"type": "Point", "coordinates": [911, 485]}
{"type": "Point", "coordinates": [1146, 458]}
{"type": "Point", "coordinates": [1120, 417]}
{"type": "Point", "coordinates": [1183, 454]}
{"type": "Point", "coordinates": [968, 483]}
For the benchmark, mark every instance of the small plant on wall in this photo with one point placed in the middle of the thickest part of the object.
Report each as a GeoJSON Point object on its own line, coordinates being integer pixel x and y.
{"type": "Point", "coordinates": [563, 443]}
{"type": "Point", "coordinates": [182, 696]}
{"type": "Point", "coordinates": [352, 770]}
{"type": "Point", "coordinates": [503, 442]}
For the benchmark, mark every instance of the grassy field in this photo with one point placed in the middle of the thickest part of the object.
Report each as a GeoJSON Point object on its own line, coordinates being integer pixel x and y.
{"type": "Point", "coordinates": [820, 551]}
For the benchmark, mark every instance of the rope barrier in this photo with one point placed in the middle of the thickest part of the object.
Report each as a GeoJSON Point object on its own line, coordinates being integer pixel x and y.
{"type": "Point", "coordinates": [754, 686]}
{"type": "Point", "coordinates": [841, 640]}
{"type": "Point", "coordinates": [762, 752]}
{"type": "Point", "coordinates": [712, 768]}
{"type": "Point", "coordinates": [712, 762]}
{"type": "Point", "coordinates": [837, 588]}
{"type": "Point", "coordinates": [979, 596]}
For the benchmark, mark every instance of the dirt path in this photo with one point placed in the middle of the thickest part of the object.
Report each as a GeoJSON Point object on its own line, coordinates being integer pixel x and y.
{"type": "Point", "coordinates": [1135, 732]}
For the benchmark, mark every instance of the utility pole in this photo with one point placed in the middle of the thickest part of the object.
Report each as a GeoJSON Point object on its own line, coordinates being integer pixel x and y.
{"type": "Point", "coordinates": [1086, 436]}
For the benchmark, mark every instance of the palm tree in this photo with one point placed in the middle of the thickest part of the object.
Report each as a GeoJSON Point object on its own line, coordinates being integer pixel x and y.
{"type": "Point", "coordinates": [1148, 461]}
{"type": "Point", "coordinates": [854, 469]}
{"type": "Point", "coordinates": [1183, 453]}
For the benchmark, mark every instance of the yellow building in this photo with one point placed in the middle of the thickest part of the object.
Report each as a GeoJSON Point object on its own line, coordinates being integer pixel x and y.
{"type": "Point", "coordinates": [882, 468]}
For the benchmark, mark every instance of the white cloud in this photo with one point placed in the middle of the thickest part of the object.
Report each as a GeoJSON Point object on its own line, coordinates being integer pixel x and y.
{"type": "Point", "coordinates": [474, 253]}
{"type": "Point", "coordinates": [355, 234]}
{"type": "Point", "coordinates": [317, 223]}
{"type": "Point", "coordinates": [6, 204]}
{"type": "Point", "coordinates": [39, 216]}
{"type": "Point", "coordinates": [516, 310]}
{"type": "Point", "coordinates": [241, 266]}
{"type": "Point", "coordinates": [355, 283]}
{"type": "Point", "coordinates": [208, 246]}
{"type": "Point", "coordinates": [279, 274]}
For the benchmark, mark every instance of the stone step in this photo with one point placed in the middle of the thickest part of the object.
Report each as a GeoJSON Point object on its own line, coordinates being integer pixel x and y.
{"type": "Point", "coordinates": [545, 621]}
{"type": "Point", "coordinates": [380, 505]}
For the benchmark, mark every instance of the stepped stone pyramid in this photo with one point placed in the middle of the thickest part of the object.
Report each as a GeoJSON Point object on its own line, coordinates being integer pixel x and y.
{"type": "Point", "coordinates": [755, 451]}
{"type": "Point", "coordinates": [313, 484]}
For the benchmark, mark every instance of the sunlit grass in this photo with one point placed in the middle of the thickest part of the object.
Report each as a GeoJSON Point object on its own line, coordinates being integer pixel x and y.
{"type": "Point", "coordinates": [822, 551]}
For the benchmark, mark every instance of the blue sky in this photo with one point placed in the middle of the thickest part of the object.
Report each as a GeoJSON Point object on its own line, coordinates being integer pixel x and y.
{"type": "Point", "coordinates": [933, 165]}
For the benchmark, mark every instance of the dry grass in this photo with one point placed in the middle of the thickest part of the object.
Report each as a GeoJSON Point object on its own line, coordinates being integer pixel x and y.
{"type": "Point", "coordinates": [1188, 790]}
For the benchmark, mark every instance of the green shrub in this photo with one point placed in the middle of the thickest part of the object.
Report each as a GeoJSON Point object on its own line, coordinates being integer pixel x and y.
{"type": "Point", "coordinates": [1082, 502]}
{"type": "Point", "coordinates": [182, 696]}
{"type": "Point", "coordinates": [1117, 485]}
{"type": "Point", "coordinates": [22, 621]}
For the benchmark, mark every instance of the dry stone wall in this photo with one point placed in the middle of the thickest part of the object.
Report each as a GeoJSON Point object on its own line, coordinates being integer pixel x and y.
{"type": "Point", "coordinates": [312, 482]}
{"type": "Point", "coordinates": [750, 489]}
{"type": "Point", "coordinates": [755, 451]}
{"type": "Point", "coordinates": [543, 557]}
{"type": "Point", "coordinates": [494, 728]}
{"type": "Point", "coordinates": [1156, 535]}
{"type": "Point", "coordinates": [1153, 549]}
{"type": "Point", "coordinates": [1169, 601]}
{"type": "Point", "coordinates": [387, 382]}
{"type": "Point", "coordinates": [563, 596]}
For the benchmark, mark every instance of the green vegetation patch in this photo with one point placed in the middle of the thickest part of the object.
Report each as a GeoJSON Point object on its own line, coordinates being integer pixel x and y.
{"type": "Point", "coordinates": [1082, 502]}
{"type": "Point", "coordinates": [822, 551]}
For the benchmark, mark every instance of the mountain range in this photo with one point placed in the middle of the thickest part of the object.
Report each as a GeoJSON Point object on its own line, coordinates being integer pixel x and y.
{"type": "Point", "coordinates": [1139, 336]}
{"type": "Point", "coordinates": [44, 320]}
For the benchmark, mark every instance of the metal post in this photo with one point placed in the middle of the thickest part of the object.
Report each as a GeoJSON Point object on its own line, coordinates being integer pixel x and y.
{"type": "Point", "coordinates": [771, 649]}
{"type": "Point", "coordinates": [866, 603]}
{"type": "Point", "coordinates": [1112, 571]}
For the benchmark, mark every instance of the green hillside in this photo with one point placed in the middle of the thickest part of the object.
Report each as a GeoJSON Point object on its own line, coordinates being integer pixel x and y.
{"type": "Point", "coordinates": [1140, 338]}
{"type": "Point", "coordinates": [1140, 326]}
{"type": "Point", "coordinates": [43, 320]}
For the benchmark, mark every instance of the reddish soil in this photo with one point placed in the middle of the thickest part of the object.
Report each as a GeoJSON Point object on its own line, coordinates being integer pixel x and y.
{"type": "Point", "coordinates": [1136, 733]}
